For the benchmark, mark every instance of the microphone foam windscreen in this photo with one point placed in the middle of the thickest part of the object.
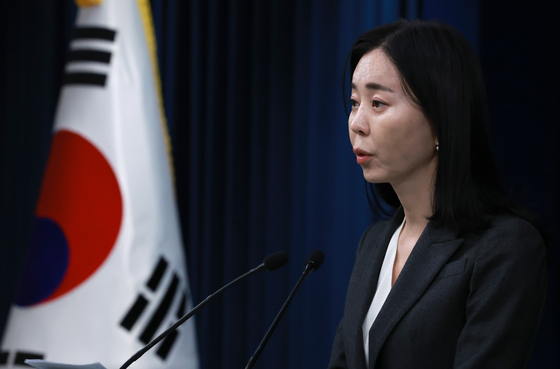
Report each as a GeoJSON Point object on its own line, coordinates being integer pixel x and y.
{"type": "Point", "coordinates": [316, 257]}
{"type": "Point", "coordinates": [276, 260]}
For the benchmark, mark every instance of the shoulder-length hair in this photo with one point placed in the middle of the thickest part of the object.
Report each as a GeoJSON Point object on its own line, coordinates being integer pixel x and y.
{"type": "Point", "coordinates": [439, 71]}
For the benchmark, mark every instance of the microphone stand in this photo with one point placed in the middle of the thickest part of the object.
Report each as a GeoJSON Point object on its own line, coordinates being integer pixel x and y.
{"type": "Point", "coordinates": [309, 267]}
{"type": "Point", "coordinates": [156, 340]}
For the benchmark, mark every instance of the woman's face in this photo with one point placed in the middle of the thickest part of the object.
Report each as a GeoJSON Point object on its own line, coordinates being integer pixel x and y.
{"type": "Point", "coordinates": [392, 139]}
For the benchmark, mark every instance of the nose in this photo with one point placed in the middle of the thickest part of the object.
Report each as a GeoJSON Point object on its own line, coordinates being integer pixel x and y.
{"type": "Point", "coordinates": [359, 123]}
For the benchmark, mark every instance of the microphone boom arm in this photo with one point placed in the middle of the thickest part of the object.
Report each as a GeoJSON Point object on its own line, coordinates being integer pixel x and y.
{"type": "Point", "coordinates": [308, 268]}
{"type": "Point", "coordinates": [156, 340]}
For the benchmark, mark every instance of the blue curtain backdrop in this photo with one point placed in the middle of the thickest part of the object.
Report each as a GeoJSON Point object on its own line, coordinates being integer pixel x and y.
{"type": "Point", "coordinates": [253, 96]}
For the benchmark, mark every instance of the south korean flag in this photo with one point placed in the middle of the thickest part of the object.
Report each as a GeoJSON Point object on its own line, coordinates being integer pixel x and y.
{"type": "Point", "coordinates": [105, 271]}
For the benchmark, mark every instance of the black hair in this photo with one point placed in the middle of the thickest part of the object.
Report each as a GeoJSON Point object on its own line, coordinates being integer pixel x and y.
{"type": "Point", "coordinates": [439, 71]}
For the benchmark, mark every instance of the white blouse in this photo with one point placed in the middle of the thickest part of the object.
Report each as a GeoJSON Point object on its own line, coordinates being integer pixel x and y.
{"type": "Point", "coordinates": [383, 288]}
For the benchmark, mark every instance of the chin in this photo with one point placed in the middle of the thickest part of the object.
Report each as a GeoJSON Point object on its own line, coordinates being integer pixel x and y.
{"type": "Point", "coordinates": [375, 177]}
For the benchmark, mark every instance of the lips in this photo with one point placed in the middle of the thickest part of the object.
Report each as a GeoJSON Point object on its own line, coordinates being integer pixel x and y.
{"type": "Point", "coordinates": [362, 156]}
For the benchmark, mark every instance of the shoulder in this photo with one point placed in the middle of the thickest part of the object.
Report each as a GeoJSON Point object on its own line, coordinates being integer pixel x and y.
{"type": "Point", "coordinates": [513, 225]}
{"type": "Point", "coordinates": [510, 233]}
{"type": "Point", "coordinates": [510, 242]}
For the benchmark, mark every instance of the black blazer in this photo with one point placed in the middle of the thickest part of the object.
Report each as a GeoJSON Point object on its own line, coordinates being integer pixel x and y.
{"type": "Point", "coordinates": [459, 302]}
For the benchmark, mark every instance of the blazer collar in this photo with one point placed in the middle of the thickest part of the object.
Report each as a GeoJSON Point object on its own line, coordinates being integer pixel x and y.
{"type": "Point", "coordinates": [371, 260]}
{"type": "Point", "coordinates": [376, 253]}
{"type": "Point", "coordinates": [432, 250]}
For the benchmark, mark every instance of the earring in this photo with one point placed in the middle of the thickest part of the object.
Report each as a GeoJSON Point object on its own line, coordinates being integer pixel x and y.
{"type": "Point", "coordinates": [437, 146]}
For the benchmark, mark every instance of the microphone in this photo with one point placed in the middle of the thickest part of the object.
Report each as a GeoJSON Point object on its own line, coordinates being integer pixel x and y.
{"type": "Point", "coordinates": [270, 263]}
{"type": "Point", "coordinates": [312, 263]}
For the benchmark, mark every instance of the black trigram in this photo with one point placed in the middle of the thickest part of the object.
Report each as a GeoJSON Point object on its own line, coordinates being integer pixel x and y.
{"type": "Point", "coordinates": [19, 358]}
{"type": "Point", "coordinates": [147, 333]}
{"type": "Point", "coordinates": [79, 54]}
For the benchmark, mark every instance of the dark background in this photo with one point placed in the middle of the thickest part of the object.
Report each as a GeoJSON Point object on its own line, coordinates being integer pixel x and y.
{"type": "Point", "coordinates": [262, 160]}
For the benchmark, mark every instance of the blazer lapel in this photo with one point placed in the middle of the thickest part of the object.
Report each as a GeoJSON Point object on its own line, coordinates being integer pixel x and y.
{"type": "Point", "coordinates": [364, 284]}
{"type": "Point", "coordinates": [431, 252]}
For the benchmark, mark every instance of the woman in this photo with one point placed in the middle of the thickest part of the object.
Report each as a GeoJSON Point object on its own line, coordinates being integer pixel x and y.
{"type": "Point", "coordinates": [456, 278]}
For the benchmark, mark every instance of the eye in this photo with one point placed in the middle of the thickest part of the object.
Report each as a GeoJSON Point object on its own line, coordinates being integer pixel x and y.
{"type": "Point", "coordinates": [378, 104]}
{"type": "Point", "coordinates": [354, 104]}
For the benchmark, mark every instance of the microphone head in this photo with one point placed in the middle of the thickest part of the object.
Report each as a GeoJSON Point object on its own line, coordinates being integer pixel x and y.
{"type": "Point", "coordinates": [276, 260]}
{"type": "Point", "coordinates": [316, 258]}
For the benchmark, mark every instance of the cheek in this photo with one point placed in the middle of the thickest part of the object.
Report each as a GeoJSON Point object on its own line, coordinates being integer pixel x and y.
{"type": "Point", "coordinates": [390, 135]}
{"type": "Point", "coordinates": [409, 136]}
{"type": "Point", "coordinates": [422, 134]}
{"type": "Point", "coordinates": [420, 143]}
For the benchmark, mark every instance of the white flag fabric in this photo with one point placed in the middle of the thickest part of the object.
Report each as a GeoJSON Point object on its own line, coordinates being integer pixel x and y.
{"type": "Point", "coordinates": [105, 271]}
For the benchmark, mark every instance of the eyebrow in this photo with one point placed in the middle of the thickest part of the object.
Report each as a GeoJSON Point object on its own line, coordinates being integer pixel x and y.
{"type": "Point", "coordinates": [374, 86]}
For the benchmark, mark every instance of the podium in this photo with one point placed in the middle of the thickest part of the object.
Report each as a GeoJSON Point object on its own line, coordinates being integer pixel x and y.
{"type": "Point", "coordinates": [41, 364]}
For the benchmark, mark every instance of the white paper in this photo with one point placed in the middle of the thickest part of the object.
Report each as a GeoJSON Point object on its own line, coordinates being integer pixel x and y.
{"type": "Point", "coordinates": [41, 364]}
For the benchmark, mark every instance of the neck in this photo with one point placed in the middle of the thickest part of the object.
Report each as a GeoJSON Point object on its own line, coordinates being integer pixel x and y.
{"type": "Point", "coordinates": [416, 197]}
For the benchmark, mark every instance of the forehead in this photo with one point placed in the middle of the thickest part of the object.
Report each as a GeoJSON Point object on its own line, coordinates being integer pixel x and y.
{"type": "Point", "coordinates": [375, 67]}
